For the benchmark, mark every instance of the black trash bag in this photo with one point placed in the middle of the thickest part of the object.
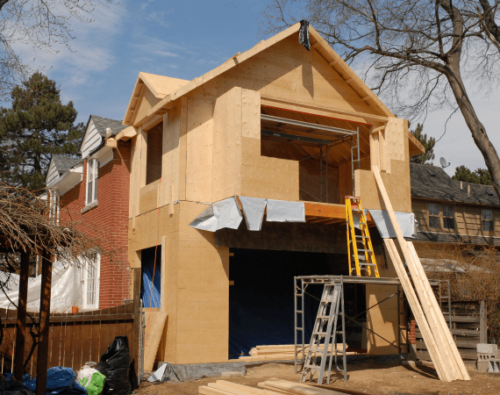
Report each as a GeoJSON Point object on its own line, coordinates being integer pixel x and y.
{"type": "Point", "coordinates": [13, 387]}
{"type": "Point", "coordinates": [115, 365]}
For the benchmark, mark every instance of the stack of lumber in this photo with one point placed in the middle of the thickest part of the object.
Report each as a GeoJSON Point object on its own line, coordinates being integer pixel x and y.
{"type": "Point", "coordinates": [269, 387]}
{"type": "Point", "coordinates": [278, 352]}
{"type": "Point", "coordinates": [428, 315]}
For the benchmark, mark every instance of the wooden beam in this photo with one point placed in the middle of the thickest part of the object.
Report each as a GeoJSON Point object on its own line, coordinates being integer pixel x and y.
{"type": "Point", "coordinates": [126, 134]}
{"type": "Point", "coordinates": [325, 210]}
{"type": "Point", "coordinates": [111, 143]}
{"type": "Point", "coordinates": [136, 296]}
{"type": "Point", "coordinates": [43, 339]}
{"type": "Point", "coordinates": [21, 316]}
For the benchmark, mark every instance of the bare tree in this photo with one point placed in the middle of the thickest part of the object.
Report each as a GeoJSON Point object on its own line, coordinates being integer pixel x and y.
{"type": "Point", "coordinates": [416, 54]}
{"type": "Point", "coordinates": [43, 25]}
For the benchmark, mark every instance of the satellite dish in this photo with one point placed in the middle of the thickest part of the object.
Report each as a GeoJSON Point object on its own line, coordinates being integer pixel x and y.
{"type": "Point", "coordinates": [443, 162]}
{"type": "Point", "coordinates": [108, 133]}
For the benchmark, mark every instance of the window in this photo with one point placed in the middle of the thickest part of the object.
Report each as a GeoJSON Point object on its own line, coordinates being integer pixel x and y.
{"type": "Point", "coordinates": [90, 273]}
{"type": "Point", "coordinates": [92, 175]}
{"type": "Point", "coordinates": [487, 216]}
{"type": "Point", "coordinates": [434, 216]}
{"type": "Point", "coordinates": [54, 207]}
{"type": "Point", "coordinates": [448, 217]}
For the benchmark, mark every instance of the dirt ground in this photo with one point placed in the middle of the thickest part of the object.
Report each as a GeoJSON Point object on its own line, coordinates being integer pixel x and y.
{"type": "Point", "coordinates": [365, 378]}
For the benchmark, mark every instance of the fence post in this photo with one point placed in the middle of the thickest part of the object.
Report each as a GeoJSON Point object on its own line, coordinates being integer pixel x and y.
{"type": "Point", "coordinates": [43, 345]}
{"type": "Point", "coordinates": [21, 316]}
{"type": "Point", "coordinates": [483, 322]}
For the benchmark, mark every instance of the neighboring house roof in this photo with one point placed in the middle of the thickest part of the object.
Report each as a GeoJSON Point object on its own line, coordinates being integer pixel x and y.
{"type": "Point", "coordinates": [64, 163]}
{"type": "Point", "coordinates": [102, 124]}
{"type": "Point", "coordinates": [432, 182]}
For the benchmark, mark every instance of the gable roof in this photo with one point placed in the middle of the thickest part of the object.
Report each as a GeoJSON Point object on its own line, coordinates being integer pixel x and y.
{"type": "Point", "coordinates": [317, 44]}
{"type": "Point", "coordinates": [432, 182]}
{"type": "Point", "coordinates": [159, 85]}
{"type": "Point", "coordinates": [64, 162]}
{"type": "Point", "coordinates": [102, 124]}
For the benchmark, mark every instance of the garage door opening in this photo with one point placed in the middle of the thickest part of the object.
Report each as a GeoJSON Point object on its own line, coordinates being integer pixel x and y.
{"type": "Point", "coordinates": [261, 299]}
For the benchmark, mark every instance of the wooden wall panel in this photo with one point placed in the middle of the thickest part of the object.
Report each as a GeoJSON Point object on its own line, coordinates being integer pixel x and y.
{"type": "Point", "coordinates": [203, 293]}
{"type": "Point", "coordinates": [227, 145]}
{"type": "Point", "coordinates": [171, 155]}
{"type": "Point", "coordinates": [146, 102]}
{"type": "Point", "coordinates": [199, 150]}
{"type": "Point", "coordinates": [396, 143]}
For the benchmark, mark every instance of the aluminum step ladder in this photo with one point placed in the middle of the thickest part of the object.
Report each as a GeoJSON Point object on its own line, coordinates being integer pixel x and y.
{"type": "Point", "coordinates": [323, 344]}
{"type": "Point", "coordinates": [359, 242]}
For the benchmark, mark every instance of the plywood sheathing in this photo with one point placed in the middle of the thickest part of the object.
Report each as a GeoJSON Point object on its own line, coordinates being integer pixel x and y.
{"type": "Point", "coordinates": [155, 322]}
{"type": "Point", "coordinates": [157, 86]}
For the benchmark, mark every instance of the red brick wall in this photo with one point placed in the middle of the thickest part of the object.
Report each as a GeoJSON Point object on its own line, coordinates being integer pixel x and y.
{"type": "Point", "coordinates": [412, 336]}
{"type": "Point", "coordinates": [107, 223]}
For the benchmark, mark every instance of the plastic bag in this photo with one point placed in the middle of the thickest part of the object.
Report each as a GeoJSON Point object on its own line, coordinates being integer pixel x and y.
{"type": "Point", "coordinates": [59, 381]}
{"type": "Point", "coordinates": [13, 387]}
{"type": "Point", "coordinates": [92, 380]}
{"type": "Point", "coordinates": [115, 365]}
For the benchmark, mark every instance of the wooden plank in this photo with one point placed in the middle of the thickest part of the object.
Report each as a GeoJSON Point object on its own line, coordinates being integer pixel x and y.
{"type": "Point", "coordinates": [448, 351]}
{"type": "Point", "coordinates": [156, 322]}
{"type": "Point", "coordinates": [449, 341]}
{"type": "Point", "coordinates": [204, 390]}
{"type": "Point", "coordinates": [235, 388]}
{"type": "Point", "coordinates": [417, 311]}
{"type": "Point", "coordinates": [464, 353]}
{"type": "Point", "coordinates": [183, 148]}
{"type": "Point", "coordinates": [336, 211]}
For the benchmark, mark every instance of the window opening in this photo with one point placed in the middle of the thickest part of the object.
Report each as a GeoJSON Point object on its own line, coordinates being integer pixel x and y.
{"type": "Point", "coordinates": [339, 136]}
{"type": "Point", "coordinates": [448, 217]}
{"type": "Point", "coordinates": [154, 153]}
{"type": "Point", "coordinates": [434, 216]}
{"type": "Point", "coordinates": [90, 275]}
{"type": "Point", "coordinates": [92, 176]}
{"type": "Point", "coordinates": [487, 216]}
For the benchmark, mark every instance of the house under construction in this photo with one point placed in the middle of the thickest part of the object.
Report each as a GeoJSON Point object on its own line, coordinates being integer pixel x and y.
{"type": "Point", "coordinates": [276, 122]}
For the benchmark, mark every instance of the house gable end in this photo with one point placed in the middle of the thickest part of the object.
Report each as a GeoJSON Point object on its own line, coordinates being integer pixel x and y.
{"type": "Point", "coordinates": [52, 174]}
{"type": "Point", "coordinates": [91, 140]}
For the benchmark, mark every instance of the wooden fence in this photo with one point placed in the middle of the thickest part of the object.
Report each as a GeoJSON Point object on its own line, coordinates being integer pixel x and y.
{"type": "Point", "coordinates": [74, 339]}
{"type": "Point", "coordinates": [469, 327]}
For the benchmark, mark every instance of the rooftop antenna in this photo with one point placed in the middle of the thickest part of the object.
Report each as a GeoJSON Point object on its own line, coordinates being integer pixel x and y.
{"type": "Point", "coordinates": [444, 163]}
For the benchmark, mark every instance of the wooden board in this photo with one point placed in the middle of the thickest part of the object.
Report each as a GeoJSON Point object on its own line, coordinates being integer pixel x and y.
{"type": "Point", "coordinates": [155, 322]}
{"type": "Point", "coordinates": [452, 362]}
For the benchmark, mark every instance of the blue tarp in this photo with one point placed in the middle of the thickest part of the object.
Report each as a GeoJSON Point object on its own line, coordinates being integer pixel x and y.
{"type": "Point", "coordinates": [60, 381]}
{"type": "Point", "coordinates": [261, 300]}
{"type": "Point", "coordinates": [148, 265]}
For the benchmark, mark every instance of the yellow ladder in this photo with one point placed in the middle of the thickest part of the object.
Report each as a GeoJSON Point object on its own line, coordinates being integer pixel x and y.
{"type": "Point", "coordinates": [353, 205]}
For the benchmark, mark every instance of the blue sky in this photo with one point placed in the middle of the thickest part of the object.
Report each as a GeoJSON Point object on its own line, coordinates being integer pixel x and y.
{"type": "Point", "coordinates": [185, 39]}
{"type": "Point", "coordinates": [181, 39]}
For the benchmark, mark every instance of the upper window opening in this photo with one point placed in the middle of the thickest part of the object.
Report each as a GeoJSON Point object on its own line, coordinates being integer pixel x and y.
{"type": "Point", "coordinates": [92, 176]}
{"type": "Point", "coordinates": [154, 153]}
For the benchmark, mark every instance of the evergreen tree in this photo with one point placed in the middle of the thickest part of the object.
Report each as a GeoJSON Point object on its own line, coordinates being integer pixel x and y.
{"type": "Point", "coordinates": [480, 176]}
{"type": "Point", "coordinates": [37, 126]}
{"type": "Point", "coordinates": [427, 142]}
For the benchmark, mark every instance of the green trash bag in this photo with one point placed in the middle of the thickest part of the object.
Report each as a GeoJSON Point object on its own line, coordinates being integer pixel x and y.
{"type": "Point", "coordinates": [92, 380]}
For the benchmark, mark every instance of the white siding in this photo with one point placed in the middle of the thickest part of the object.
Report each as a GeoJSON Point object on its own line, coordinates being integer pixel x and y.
{"type": "Point", "coordinates": [91, 140]}
{"type": "Point", "coordinates": [52, 174]}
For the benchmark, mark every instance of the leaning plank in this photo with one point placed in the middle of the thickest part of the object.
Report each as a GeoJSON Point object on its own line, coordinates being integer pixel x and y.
{"type": "Point", "coordinates": [441, 321]}
{"type": "Point", "coordinates": [417, 310]}
{"type": "Point", "coordinates": [155, 320]}
{"type": "Point", "coordinates": [449, 360]}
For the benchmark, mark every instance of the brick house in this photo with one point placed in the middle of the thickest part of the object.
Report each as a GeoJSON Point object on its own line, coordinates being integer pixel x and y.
{"type": "Point", "coordinates": [93, 190]}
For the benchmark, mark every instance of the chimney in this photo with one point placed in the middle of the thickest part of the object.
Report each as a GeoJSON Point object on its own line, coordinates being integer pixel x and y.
{"type": "Point", "coordinates": [461, 185]}
{"type": "Point", "coordinates": [468, 190]}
